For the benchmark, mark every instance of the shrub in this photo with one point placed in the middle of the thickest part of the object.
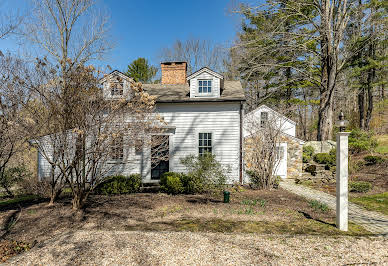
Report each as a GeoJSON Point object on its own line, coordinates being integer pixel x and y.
{"type": "Point", "coordinates": [359, 187]}
{"type": "Point", "coordinates": [119, 185]}
{"type": "Point", "coordinates": [256, 180]}
{"type": "Point", "coordinates": [204, 173]}
{"type": "Point", "coordinates": [13, 176]}
{"type": "Point", "coordinates": [371, 159]}
{"type": "Point", "coordinates": [324, 158]}
{"type": "Point", "coordinates": [361, 141]}
{"type": "Point", "coordinates": [308, 152]}
{"type": "Point", "coordinates": [318, 206]}
{"type": "Point", "coordinates": [277, 182]}
{"type": "Point", "coordinates": [171, 183]}
{"type": "Point", "coordinates": [312, 169]}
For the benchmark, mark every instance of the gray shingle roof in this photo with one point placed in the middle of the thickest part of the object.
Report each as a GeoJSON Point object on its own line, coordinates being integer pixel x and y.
{"type": "Point", "coordinates": [232, 91]}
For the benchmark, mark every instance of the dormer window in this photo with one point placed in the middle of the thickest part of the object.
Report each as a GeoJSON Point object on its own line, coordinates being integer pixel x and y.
{"type": "Point", "coordinates": [116, 89]}
{"type": "Point", "coordinates": [204, 86]}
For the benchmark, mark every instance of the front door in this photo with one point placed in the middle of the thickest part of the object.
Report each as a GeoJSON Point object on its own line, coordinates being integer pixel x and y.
{"type": "Point", "coordinates": [159, 156]}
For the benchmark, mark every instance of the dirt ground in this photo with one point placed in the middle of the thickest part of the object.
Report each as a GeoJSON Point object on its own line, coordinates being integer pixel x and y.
{"type": "Point", "coordinates": [250, 211]}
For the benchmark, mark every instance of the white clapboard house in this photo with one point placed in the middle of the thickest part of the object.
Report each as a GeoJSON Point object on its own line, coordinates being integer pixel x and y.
{"type": "Point", "coordinates": [204, 113]}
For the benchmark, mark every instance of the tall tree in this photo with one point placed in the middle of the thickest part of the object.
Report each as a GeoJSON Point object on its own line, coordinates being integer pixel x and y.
{"type": "Point", "coordinates": [141, 71]}
{"type": "Point", "coordinates": [313, 47]}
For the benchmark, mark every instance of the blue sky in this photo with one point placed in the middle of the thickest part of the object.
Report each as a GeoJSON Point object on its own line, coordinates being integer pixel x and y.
{"type": "Point", "coordinates": [140, 28]}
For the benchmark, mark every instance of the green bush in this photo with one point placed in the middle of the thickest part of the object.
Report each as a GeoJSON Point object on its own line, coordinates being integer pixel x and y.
{"type": "Point", "coordinates": [361, 141]}
{"type": "Point", "coordinates": [371, 159]}
{"type": "Point", "coordinates": [312, 169]}
{"type": "Point", "coordinates": [171, 183]}
{"type": "Point", "coordinates": [119, 185]}
{"type": "Point", "coordinates": [324, 158]}
{"type": "Point", "coordinates": [360, 187]}
{"type": "Point", "coordinates": [205, 173]}
{"type": "Point", "coordinates": [308, 152]}
{"type": "Point", "coordinates": [318, 206]}
{"type": "Point", "coordinates": [12, 176]}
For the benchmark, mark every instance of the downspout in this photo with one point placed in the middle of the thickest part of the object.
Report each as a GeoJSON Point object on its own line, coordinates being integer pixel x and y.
{"type": "Point", "coordinates": [241, 142]}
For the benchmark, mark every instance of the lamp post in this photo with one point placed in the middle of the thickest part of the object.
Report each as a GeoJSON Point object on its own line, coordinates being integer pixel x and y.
{"type": "Point", "coordinates": [342, 174]}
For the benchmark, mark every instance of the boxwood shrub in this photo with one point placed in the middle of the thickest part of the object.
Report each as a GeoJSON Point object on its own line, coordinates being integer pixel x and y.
{"type": "Point", "coordinates": [325, 158]}
{"type": "Point", "coordinates": [171, 183]}
{"type": "Point", "coordinates": [360, 187]}
{"type": "Point", "coordinates": [371, 159]}
{"type": "Point", "coordinates": [119, 185]}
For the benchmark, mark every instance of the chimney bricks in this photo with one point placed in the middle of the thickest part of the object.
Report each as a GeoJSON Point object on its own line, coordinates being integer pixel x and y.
{"type": "Point", "coordinates": [174, 72]}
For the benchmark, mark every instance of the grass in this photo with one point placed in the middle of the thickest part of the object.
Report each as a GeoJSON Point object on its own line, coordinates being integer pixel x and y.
{"type": "Point", "coordinates": [377, 202]}
{"type": "Point", "coordinates": [17, 199]}
{"type": "Point", "coordinates": [310, 227]}
{"type": "Point", "coordinates": [382, 144]}
{"type": "Point", "coordinates": [318, 206]}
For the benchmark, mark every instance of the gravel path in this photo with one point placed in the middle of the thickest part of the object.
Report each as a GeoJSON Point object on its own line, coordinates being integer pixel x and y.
{"type": "Point", "coordinates": [187, 248]}
{"type": "Point", "coordinates": [371, 221]}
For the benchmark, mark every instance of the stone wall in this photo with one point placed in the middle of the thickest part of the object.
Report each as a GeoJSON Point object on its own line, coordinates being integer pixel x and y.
{"type": "Point", "coordinates": [294, 157]}
{"type": "Point", "coordinates": [321, 146]}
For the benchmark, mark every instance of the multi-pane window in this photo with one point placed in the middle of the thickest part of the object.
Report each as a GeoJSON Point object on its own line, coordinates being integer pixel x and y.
{"type": "Point", "coordinates": [279, 152]}
{"type": "Point", "coordinates": [205, 143]}
{"type": "Point", "coordinates": [263, 119]}
{"type": "Point", "coordinates": [204, 86]}
{"type": "Point", "coordinates": [117, 148]}
{"type": "Point", "coordinates": [116, 89]}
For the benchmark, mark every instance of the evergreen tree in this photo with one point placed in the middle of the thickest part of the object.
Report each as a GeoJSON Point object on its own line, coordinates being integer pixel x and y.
{"type": "Point", "coordinates": [141, 71]}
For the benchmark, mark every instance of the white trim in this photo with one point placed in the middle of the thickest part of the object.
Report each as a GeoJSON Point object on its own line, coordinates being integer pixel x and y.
{"type": "Point", "coordinates": [205, 69]}
{"type": "Point", "coordinates": [277, 113]}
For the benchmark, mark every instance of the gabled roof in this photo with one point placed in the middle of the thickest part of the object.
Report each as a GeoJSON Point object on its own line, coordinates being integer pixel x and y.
{"type": "Point", "coordinates": [205, 69]}
{"type": "Point", "coordinates": [116, 73]}
{"type": "Point", "coordinates": [232, 91]}
{"type": "Point", "coordinates": [277, 113]}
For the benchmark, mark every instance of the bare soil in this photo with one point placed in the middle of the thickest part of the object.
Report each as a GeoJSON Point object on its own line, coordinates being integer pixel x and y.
{"type": "Point", "coordinates": [250, 211]}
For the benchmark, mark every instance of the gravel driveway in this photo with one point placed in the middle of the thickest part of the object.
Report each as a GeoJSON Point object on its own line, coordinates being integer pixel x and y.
{"type": "Point", "coordinates": [187, 248]}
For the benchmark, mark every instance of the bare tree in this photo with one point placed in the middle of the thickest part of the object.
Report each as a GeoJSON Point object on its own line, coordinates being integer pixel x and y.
{"type": "Point", "coordinates": [9, 22]}
{"type": "Point", "coordinates": [84, 135]}
{"type": "Point", "coordinates": [197, 53]}
{"type": "Point", "coordinates": [12, 97]}
{"type": "Point", "coordinates": [69, 31]}
{"type": "Point", "coordinates": [262, 147]}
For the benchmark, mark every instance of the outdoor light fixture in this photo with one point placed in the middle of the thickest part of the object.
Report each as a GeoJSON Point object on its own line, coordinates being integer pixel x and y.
{"type": "Point", "coordinates": [342, 123]}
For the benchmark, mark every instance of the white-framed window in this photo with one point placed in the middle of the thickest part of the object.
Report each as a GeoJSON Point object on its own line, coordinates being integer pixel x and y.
{"type": "Point", "coordinates": [205, 143]}
{"type": "Point", "coordinates": [117, 148]}
{"type": "Point", "coordinates": [263, 119]}
{"type": "Point", "coordinates": [279, 152]}
{"type": "Point", "coordinates": [204, 86]}
{"type": "Point", "coordinates": [117, 89]}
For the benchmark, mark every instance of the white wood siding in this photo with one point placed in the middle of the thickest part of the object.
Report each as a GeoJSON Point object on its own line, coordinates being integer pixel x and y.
{"type": "Point", "coordinates": [221, 119]}
{"type": "Point", "coordinates": [190, 119]}
{"type": "Point", "coordinates": [216, 85]}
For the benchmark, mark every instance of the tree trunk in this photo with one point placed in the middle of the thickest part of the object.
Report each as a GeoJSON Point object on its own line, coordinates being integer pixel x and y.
{"type": "Point", "coordinates": [78, 200]}
{"type": "Point", "coordinates": [361, 107]}
{"type": "Point", "coordinates": [54, 195]}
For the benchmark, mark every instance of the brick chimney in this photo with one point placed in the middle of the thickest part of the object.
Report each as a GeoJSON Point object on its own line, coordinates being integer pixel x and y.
{"type": "Point", "coordinates": [174, 72]}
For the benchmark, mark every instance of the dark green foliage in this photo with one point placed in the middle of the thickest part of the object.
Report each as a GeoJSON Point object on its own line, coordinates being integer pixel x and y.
{"type": "Point", "coordinates": [119, 185]}
{"type": "Point", "coordinates": [360, 187]}
{"type": "Point", "coordinates": [312, 169]}
{"type": "Point", "coordinates": [324, 158]}
{"type": "Point", "coordinates": [371, 159]}
{"type": "Point", "coordinates": [171, 183]}
{"type": "Point", "coordinates": [204, 173]}
{"type": "Point", "coordinates": [308, 152]}
{"type": "Point", "coordinates": [318, 206]}
{"type": "Point", "coordinates": [13, 176]}
{"type": "Point", "coordinates": [361, 141]}
{"type": "Point", "coordinates": [141, 71]}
